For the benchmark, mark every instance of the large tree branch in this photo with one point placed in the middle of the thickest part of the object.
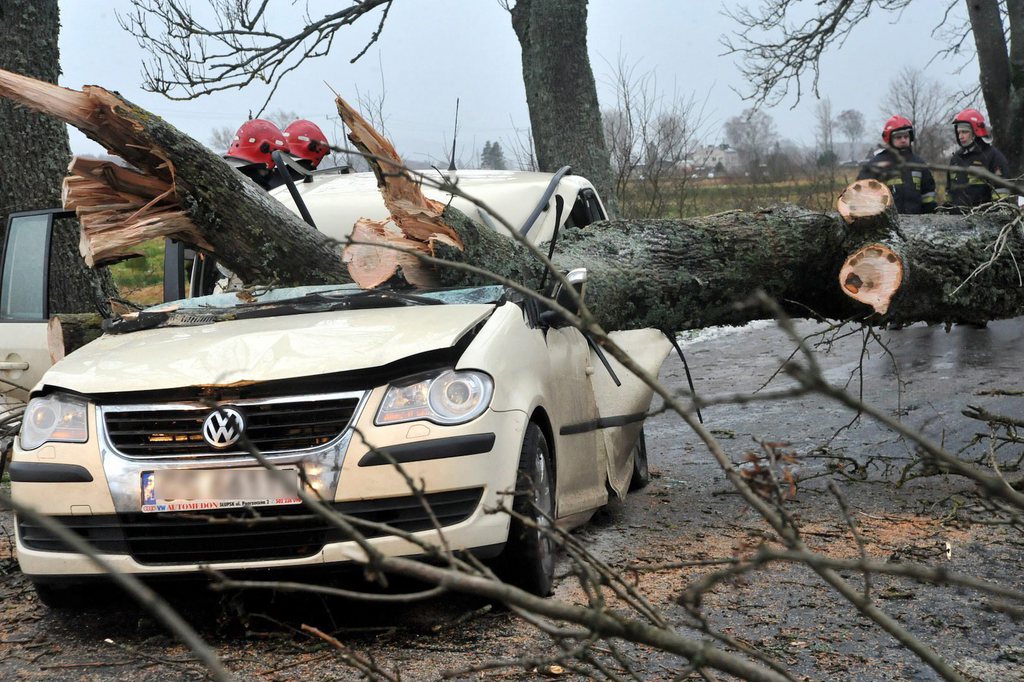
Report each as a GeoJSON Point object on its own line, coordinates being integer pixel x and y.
{"type": "Point", "coordinates": [183, 190]}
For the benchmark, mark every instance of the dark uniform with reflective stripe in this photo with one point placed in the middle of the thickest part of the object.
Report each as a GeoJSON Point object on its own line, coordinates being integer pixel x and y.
{"type": "Point", "coordinates": [967, 189]}
{"type": "Point", "coordinates": [913, 189]}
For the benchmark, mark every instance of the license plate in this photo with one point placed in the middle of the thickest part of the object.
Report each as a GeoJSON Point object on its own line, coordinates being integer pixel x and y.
{"type": "Point", "coordinates": [175, 490]}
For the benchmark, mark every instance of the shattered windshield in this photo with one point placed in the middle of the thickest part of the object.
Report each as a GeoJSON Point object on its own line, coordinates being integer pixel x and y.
{"type": "Point", "coordinates": [253, 303]}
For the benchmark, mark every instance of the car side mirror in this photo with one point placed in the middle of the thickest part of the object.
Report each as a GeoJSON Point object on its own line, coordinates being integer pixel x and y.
{"type": "Point", "coordinates": [577, 279]}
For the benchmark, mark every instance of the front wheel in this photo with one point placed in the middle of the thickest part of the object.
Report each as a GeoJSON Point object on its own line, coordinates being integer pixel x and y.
{"type": "Point", "coordinates": [528, 560]}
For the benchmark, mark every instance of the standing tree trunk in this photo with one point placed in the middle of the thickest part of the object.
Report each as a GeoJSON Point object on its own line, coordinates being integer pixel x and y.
{"type": "Point", "coordinates": [560, 90]}
{"type": "Point", "coordinates": [36, 154]}
{"type": "Point", "coordinates": [1002, 72]}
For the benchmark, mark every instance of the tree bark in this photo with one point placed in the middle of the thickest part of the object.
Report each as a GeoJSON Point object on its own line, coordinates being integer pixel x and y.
{"type": "Point", "coordinates": [560, 90]}
{"type": "Point", "coordinates": [36, 155]}
{"type": "Point", "coordinates": [1001, 72]}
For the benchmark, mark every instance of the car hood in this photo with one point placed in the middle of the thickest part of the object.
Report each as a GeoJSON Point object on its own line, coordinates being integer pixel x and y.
{"type": "Point", "coordinates": [262, 349]}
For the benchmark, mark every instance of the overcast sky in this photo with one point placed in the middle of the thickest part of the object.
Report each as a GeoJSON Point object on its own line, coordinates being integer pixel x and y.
{"type": "Point", "coordinates": [434, 51]}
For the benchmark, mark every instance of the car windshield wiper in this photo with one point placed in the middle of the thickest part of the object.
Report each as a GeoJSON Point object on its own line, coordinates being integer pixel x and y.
{"type": "Point", "coordinates": [318, 302]}
{"type": "Point", "coordinates": [372, 296]}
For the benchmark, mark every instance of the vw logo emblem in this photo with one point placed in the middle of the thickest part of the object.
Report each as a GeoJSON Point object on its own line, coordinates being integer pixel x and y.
{"type": "Point", "coordinates": [223, 427]}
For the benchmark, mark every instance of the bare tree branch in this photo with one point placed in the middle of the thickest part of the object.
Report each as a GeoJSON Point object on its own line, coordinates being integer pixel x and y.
{"type": "Point", "coordinates": [192, 58]}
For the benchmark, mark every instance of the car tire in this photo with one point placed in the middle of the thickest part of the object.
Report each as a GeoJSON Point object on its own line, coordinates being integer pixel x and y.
{"type": "Point", "coordinates": [641, 472]}
{"type": "Point", "coordinates": [6, 450]}
{"type": "Point", "coordinates": [528, 560]}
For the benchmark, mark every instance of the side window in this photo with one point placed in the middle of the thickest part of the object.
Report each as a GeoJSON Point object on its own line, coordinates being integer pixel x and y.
{"type": "Point", "coordinates": [585, 210]}
{"type": "Point", "coordinates": [24, 268]}
{"type": "Point", "coordinates": [579, 216]}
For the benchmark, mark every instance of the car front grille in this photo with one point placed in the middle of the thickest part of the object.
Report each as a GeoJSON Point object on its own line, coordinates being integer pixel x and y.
{"type": "Point", "coordinates": [277, 425]}
{"type": "Point", "coordinates": [249, 534]}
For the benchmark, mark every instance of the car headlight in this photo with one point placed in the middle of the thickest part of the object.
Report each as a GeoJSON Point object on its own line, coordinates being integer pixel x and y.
{"type": "Point", "coordinates": [57, 418]}
{"type": "Point", "coordinates": [447, 397]}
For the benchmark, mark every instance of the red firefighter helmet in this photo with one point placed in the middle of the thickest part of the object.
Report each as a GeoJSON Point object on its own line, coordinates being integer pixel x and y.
{"type": "Point", "coordinates": [974, 117]}
{"type": "Point", "coordinates": [306, 141]}
{"type": "Point", "coordinates": [895, 124]}
{"type": "Point", "coordinates": [256, 140]}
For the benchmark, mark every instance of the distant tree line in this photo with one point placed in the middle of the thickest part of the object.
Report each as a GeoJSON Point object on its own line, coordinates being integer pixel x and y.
{"type": "Point", "coordinates": [492, 157]}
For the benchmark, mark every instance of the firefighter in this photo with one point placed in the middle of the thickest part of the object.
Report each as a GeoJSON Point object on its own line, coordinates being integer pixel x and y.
{"type": "Point", "coordinates": [913, 189]}
{"type": "Point", "coordinates": [306, 142]}
{"type": "Point", "coordinates": [251, 150]}
{"type": "Point", "coordinates": [967, 189]}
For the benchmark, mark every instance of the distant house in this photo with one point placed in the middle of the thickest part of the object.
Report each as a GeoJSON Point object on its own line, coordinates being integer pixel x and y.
{"type": "Point", "coordinates": [715, 159]}
{"type": "Point", "coordinates": [704, 161]}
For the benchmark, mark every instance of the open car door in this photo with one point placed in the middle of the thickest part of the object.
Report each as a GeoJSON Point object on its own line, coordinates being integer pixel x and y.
{"type": "Point", "coordinates": [623, 406]}
{"type": "Point", "coordinates": [622, 399]}
{"type": "Point", "coordinates": [24, 305]}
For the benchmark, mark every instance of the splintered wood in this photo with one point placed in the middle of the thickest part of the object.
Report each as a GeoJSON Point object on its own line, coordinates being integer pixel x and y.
{"type": "Point", "coordinates": [119, 207]}
{"type": "Point", "coordinates": [872, 276]}
{"type": "Point", "coordinates": [379, 252]}
{"type": "Point", "coordinates": [380, 249]}
{"type": "Point", "coordinates": [174, 187]}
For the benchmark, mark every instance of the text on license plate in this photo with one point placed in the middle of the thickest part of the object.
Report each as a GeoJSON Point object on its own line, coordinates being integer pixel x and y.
{"type": "Point", "coordinates": [203, 489]}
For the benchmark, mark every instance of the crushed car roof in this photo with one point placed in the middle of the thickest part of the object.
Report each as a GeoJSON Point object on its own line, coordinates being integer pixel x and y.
{"type": "Point", "coordinates": [336, 201]}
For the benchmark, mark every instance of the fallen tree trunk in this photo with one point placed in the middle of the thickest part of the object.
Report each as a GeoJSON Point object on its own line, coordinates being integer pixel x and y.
{"type": "Point", "coordinates": [674, 274]}
{"type": "Point", "coordinates": [671, 274]}
{"type": "Point", "coordinates": [684, 274]}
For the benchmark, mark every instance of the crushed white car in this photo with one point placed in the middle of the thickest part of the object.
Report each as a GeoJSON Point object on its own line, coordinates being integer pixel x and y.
{"type": "Point", "coordinates": [141, 441]}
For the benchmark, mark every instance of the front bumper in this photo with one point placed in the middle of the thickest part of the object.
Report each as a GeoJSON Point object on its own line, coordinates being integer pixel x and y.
{"type": "Point", "coordinates": [461, 488]}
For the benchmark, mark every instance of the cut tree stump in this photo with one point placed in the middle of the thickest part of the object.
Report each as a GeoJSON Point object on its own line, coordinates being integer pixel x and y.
{"type": "Point", "coordinates": [864, 202]}
{"type": "Point", "coordinates": [875, 271]}
{"type": "Point", "coordinates": [872, 276]}
{"type": "Point", "coordinates": [68, 332]}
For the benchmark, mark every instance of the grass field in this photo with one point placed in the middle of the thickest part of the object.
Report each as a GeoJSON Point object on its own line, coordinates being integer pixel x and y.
{"type": "Point", "coordinates": [140, 280]}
